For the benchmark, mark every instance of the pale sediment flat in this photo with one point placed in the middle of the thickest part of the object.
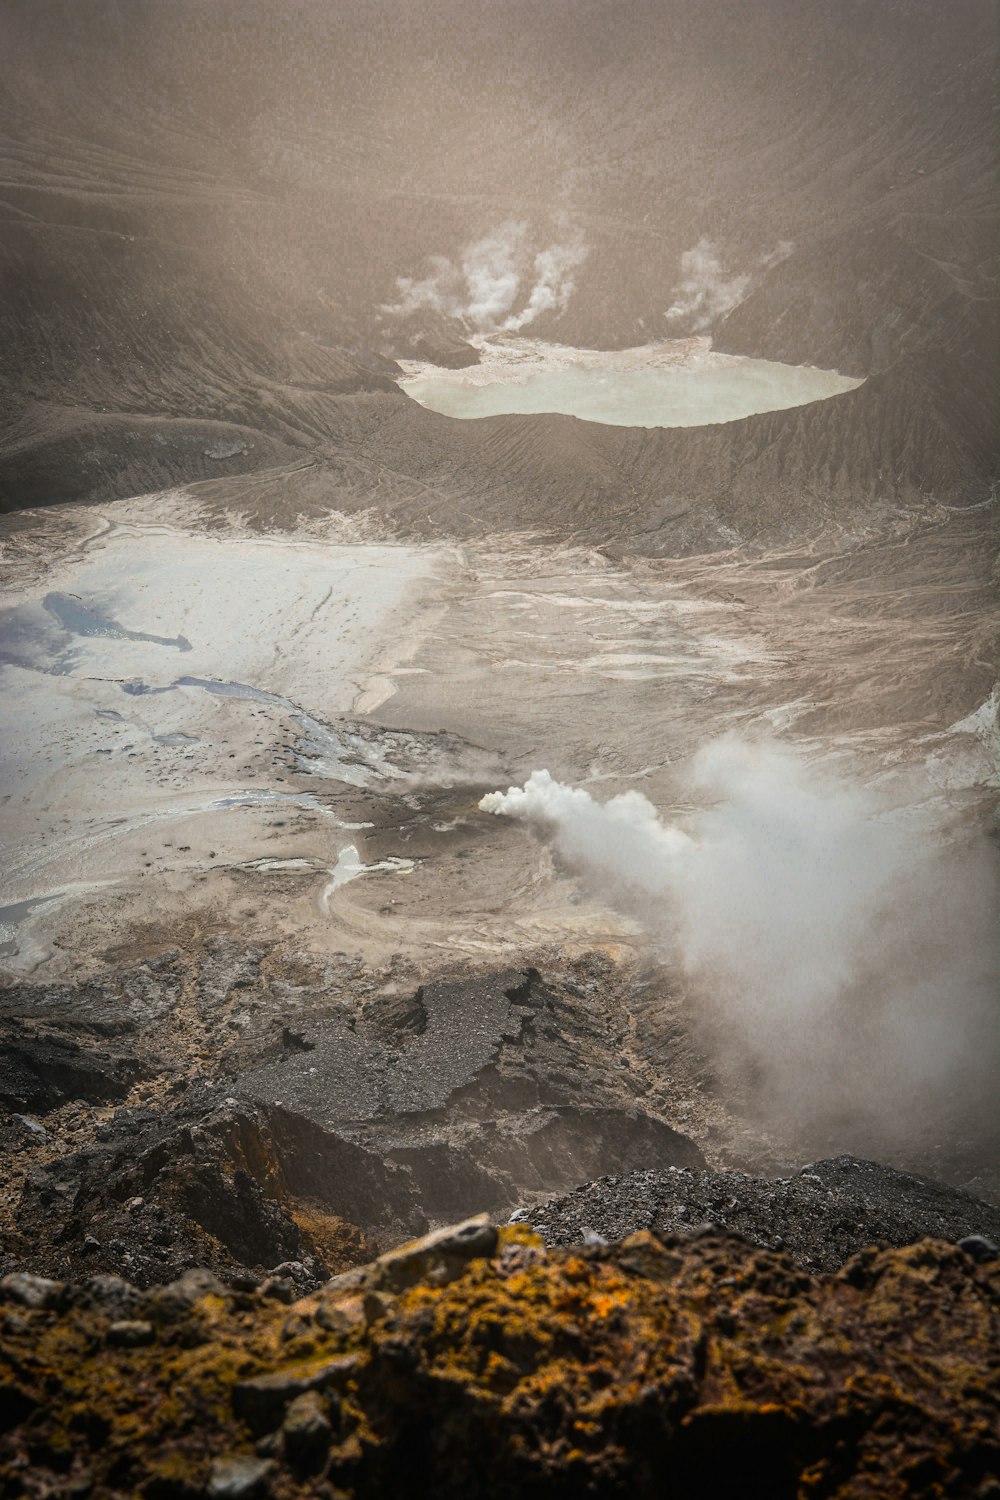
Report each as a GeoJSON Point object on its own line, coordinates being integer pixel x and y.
{"type": "Point", "coordinates": [241, 724]}
{"type": "Point", "coordinates": [672, 383]}
{"type": "Point", "coordinates": [161, 681]}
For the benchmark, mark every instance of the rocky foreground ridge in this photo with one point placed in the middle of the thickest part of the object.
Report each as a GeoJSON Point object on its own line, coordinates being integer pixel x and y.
{"type": "Point", "coordinates": [477, 1362]}
{"type": "Point", "coordinates": [663, 1328]}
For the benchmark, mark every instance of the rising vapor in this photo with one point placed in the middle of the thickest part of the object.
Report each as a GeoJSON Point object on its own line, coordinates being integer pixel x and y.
{"type": "Point", "coordinates": [837, 960]}
{"type": "Point", "coordinates": [706, 292]}
{"type": "Point", "coordinates": [498, 283]}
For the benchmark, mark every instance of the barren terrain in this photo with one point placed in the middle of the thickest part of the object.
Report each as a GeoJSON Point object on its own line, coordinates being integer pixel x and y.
{"type": "Point", "coordinates": [272, 629]}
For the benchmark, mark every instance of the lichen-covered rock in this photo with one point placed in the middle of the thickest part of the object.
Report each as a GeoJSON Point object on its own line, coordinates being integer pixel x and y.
{"type": "Point", "coordinates": [700, 1366]}
{"type": "Point", "coordinates": [306, 1432]}
{"type": "Point", "coordinates": [435, 1258]}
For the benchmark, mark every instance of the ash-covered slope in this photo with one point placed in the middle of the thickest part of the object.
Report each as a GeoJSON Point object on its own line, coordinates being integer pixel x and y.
{"type": "Point", "coordinates": [383, 1116]}
{"type": "Point", "coordinates": [822, 1215]}
{"type": "Point", "coordinates": [241, 1109]}
{"type": "Point", "coordinates": [206, 210]}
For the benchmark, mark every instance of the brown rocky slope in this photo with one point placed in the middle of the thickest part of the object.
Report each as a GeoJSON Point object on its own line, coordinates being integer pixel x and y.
{"type": "Point", "coordinates": [476, 1363]}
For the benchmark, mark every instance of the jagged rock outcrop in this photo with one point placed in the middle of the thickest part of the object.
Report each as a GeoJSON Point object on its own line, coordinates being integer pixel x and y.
{"type": "Point", "coordinates": [478, 1364]}
{"type": "Point", "coordinates": [295, 1115]}
{"type": "Point", "coordinates": [481, 1089]}
{"type": "Point", "coordinates": [203, 1183]}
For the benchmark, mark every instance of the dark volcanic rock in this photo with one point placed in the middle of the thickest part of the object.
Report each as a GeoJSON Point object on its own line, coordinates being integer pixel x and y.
{"type": "Point", "coordinates": [167, 1191]}
{"type": "Point", "coordinates": [381, 1110]}
{"type": "Point", "coordinates": [821, 1217]}
{"type": "Point", "coordinates": [483, 1089]}
{"type": "Point", "coordinates": [42, 1066]}
{"type": "Point", "coordinates": [336, 1116]}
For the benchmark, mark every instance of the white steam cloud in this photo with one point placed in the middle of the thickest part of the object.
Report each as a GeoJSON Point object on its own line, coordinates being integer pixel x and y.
{"type": "Point", "coordinates": [498, 283]}
{"type": "Point", "coordinates": [835, 958]}
{"type": "Point", "coordinates": [706, 292]}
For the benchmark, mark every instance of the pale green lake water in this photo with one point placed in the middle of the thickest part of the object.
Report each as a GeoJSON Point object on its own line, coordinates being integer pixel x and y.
{"type": "Point", "coordinates": [716, 388]}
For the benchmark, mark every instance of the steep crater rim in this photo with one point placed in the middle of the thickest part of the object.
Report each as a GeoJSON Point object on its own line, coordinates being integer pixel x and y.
{"type": "Point", "coordinates": [667, 384]}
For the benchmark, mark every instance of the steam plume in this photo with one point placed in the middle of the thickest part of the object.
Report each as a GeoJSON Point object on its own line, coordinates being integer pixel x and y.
{"type": "Point", "coordinates": [498, 282]}
{"type": "Point", "coordinates": [705, 292]}
{"type": "Point", "coordinates": [829, 950]}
